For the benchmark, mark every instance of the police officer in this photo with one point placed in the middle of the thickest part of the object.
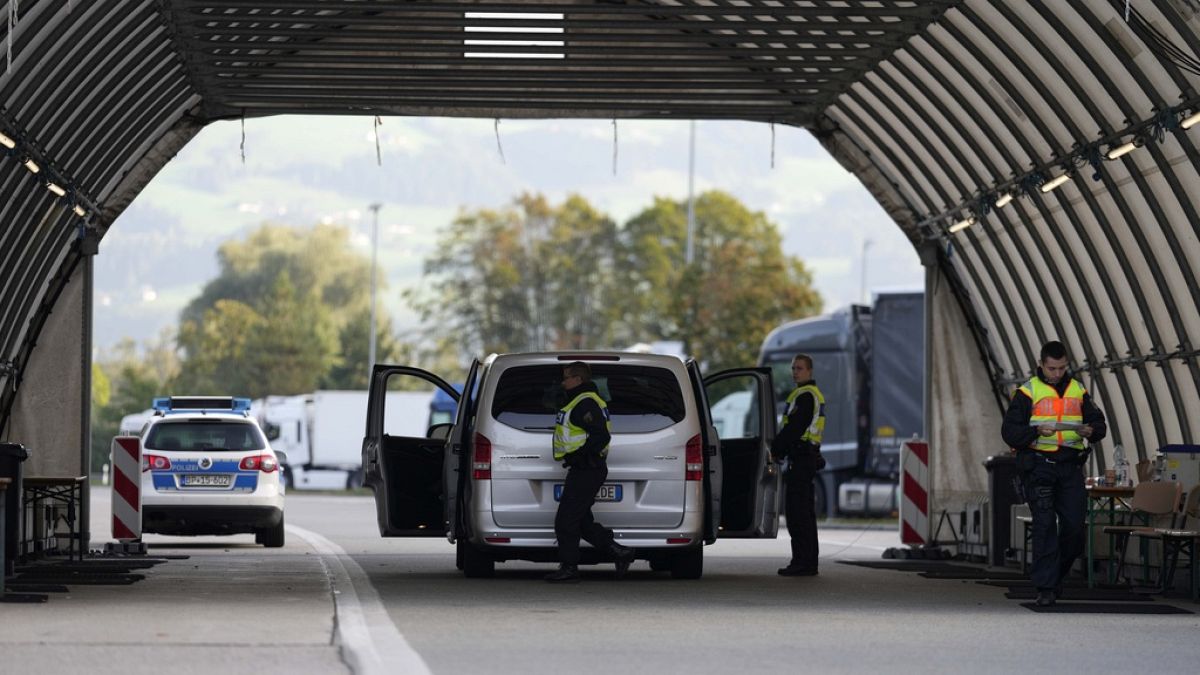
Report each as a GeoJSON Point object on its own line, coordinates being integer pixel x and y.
{"type": "Point", "coordinates": [581, 435]}
{"type": "Point", "coordinates": [799, 442]}
{"type": "Point", "coordinates": [1050, 457]}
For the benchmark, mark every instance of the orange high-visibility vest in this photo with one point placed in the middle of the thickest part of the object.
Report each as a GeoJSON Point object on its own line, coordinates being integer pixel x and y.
{"type": "Point", "coordinates": [1048, 406]}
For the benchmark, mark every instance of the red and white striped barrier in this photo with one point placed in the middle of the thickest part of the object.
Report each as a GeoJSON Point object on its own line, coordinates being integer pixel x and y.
{"type": "Point", "coordinates": [127, 488]}
{"type": "Point", "coordinates": [914, 489]}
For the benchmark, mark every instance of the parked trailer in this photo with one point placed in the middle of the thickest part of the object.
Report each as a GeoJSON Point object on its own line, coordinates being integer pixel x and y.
{"type": "Point", "coordinates": [321, 432]}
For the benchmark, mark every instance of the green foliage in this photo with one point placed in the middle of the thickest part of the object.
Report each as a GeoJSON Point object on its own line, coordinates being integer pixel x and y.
{"type": "Point", "coordinates": [531, 276]}
{"type": "Point", "coordinates": [124, 380]}
{"type": "Point", "coordinates": [538, 276]}
{"type": "Point", "coordinates": [289, 313]}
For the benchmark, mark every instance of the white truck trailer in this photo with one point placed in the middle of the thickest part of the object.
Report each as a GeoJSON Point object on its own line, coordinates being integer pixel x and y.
{"type": "Point", "coordinates": [322, 432]}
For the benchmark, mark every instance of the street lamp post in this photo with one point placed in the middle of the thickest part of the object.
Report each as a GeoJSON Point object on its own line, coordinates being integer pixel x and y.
{"type": "Point", "coordinates": [374, 254]}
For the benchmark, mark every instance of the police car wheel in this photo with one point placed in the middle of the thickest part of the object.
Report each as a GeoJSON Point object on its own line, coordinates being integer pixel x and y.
{"type": "Point", "coordinates": [271, 537]}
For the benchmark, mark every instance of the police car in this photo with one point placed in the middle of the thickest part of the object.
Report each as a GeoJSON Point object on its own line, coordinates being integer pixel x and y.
{"type": "Point", "coordinates": [207, 468]}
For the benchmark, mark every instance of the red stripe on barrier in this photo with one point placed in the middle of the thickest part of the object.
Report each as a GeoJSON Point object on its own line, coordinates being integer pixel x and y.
{"type": "Point", "coordinates": [120, 531]}
{"type": "Point", "coordinates": [921, 450]}
{"type": "Point", "coordinates": [916, 494]}
{"type": "Point", "coordinates": [909, 535]}
{"type": "Point", "coordinates": [129, 445]}
{"type": "Point", "coordinates": [127, 489]}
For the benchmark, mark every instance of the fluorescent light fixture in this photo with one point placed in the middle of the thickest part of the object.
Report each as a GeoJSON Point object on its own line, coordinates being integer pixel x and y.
{"type": "Point", "coordinates": [962, 224]}
{"type": "Point", "coordinates": [1121, 150]}
{"type": "Point", "coordinates": [548, 26]}
{"type": "Point", "coordinates": [56, 189]}
{"type": "Point", "coordinates": [1055, 182]}
{"type": "Point", "coordinates": [79, 211]}
{"type": "Point", "coordinates": [1186, 124]}
{"type": "Point", "coordinates": [1003, 200]}
{"type": "Point", "coordinates": [32, 165]}
{"type": "Point", "coordinates": [7, 142]}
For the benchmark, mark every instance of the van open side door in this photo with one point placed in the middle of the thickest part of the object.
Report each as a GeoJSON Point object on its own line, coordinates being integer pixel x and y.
{"type": "Point", "coordinates": [750, 482]}
{"type": "Point", "coordinates": [457, 461]}
{"type": "Point", "coordinates": [406, 473]}
{"type": "Point", "coordinates": [712, 457]}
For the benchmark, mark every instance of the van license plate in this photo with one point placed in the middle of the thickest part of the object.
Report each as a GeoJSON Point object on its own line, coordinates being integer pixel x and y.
{"type": "Point", "coordinates": [206, 480]}
{"type": "Point", "coordinates": [609, 492]}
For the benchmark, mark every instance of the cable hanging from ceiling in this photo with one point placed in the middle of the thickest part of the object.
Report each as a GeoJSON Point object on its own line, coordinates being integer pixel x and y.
{"type": "Point", "coordinates": [1051, 175]}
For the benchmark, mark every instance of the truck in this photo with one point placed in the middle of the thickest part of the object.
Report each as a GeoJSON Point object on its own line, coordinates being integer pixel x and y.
{"type": "Point", "coordinates": [869, 362]}
{"type": "Point", "coordinates": [320, 431]}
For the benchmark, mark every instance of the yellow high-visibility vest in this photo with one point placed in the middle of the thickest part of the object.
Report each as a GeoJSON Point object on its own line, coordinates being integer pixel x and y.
{"type": "Point", "coordinates": [816, 426]}
{"type": "Point", "coordinates": [567, 437]}
{"type": "Point", "coordinates": [1048, 407]}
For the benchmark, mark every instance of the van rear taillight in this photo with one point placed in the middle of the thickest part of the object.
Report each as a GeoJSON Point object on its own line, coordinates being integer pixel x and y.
{"type": "Point", "coordinates": [694, 459]}
{"type": "Point", "coordinates": [481, 458]}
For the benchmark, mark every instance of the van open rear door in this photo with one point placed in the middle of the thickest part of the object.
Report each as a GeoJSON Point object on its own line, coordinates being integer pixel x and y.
{"type": "Point", "coordinates": [407, 473]}
{"type": "Point", "coordinates": [750, 481]}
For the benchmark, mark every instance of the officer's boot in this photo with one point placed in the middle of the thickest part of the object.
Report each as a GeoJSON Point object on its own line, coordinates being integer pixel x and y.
{"type": "Point", "coordinates": [565, 574]}
{"type": "Point", "coordinates": [623, 557]}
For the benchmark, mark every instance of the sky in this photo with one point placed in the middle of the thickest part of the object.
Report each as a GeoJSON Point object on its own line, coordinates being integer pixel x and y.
{"type": "Point", "coordinates": [303, 170]}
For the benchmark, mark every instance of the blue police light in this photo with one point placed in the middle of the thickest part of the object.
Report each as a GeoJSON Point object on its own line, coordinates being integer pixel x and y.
{"type": "Point", "coordinates": [164, 404]}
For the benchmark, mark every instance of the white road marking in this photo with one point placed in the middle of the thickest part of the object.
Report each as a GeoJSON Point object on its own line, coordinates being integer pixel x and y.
{"type": "Point", "coordinates": [370, 641]}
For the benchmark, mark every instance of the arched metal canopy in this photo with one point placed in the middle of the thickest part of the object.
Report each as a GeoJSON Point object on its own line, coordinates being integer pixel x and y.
{"type": "Point", "coordinates": [944, 109]}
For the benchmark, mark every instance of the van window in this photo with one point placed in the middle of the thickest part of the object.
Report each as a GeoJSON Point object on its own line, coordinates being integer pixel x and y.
{"type": "Point", "coordinates": [640, 399]}
{"type": "Point", "coordinates": [214, 435]}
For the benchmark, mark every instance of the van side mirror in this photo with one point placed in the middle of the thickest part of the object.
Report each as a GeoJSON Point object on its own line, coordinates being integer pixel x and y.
{"type": "Point", "coordinates": [439, 431]}
{"type": "Point", "coordinates": [271, 430]}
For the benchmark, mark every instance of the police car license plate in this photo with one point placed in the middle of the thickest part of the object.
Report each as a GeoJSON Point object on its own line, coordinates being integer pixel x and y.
{"type": "Point", "coordinates": [609, 492]}
{"type": "Point", "coordinates": [206, 480]}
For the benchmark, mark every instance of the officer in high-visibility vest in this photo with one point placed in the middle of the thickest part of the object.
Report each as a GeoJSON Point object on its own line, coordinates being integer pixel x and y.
{"type": "Point", "coordinates": [1049, 423]}
{"type": "Point", "coordinates": [582, 432]}
{"type": "Point", "coordinates": [799, 442]}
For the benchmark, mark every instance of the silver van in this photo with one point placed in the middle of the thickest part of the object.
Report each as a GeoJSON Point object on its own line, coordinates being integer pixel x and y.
{"type": "Point", "coordinates": [488, 482]}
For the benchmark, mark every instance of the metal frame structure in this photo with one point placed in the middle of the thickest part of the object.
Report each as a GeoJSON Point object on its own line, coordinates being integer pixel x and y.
{"type": "Point", "coordinates": [941, 107]}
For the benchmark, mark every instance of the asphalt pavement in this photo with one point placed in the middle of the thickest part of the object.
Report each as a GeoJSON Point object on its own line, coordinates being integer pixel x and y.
{"type": "Point", "coordinates": [338, 598]}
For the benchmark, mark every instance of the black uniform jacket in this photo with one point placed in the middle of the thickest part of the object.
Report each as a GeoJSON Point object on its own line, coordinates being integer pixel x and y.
{"type": "Point", "coordinates": [588, 415]}
{"type": "Point", "coordinates": [1019, 435]}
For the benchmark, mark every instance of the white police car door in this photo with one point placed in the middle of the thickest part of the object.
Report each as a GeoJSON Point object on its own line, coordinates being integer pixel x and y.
{"type": "Point", "coordinates": [408, 473]}
{"type": "Point", "coordinates": [742, 407]}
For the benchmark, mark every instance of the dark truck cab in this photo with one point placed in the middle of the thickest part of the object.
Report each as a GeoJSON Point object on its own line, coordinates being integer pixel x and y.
{"type": "Point", "coordinates": [869, 363]}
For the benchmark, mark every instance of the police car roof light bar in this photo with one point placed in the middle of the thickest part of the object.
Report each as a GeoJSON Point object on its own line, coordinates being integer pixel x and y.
{"type": "Point", "coordinates": [163, 405]}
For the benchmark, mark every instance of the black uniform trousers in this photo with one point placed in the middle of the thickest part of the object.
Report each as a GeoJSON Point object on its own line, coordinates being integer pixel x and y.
{"type": "Point", "coordinates": [1058, 505]}
{"type": "Point", "coordinates": [574, 517]}
{"type": "Point", "coordinates": [801, 512]}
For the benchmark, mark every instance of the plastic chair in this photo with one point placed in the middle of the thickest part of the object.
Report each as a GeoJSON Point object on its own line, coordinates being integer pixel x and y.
{"type": "Point", "coordinates": [1150, 500]}
{"type": "Point", "coordinates": [1177, 541]}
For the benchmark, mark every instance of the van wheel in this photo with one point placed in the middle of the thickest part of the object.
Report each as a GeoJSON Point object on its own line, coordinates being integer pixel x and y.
{"type": "Point", "coordinates": [475, 564]}
{"type": "Point", "coordinates": [271, 538]}
{"type": "Point", "coordinates": [688, 564]}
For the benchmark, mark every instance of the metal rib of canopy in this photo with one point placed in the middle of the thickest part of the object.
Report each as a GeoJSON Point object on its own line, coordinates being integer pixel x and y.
{"type": "Point", "coordinates": [940, 108]}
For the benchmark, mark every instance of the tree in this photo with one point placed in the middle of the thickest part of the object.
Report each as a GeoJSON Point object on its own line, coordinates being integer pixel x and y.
{"type": "Point", "coordinates": [738, 287]}
{"type": "Point", "coordinates": [537, 276]}
{"type": "Point", "coordinates": [287, 314]}
{"type": "Point", "coordinates": [531, 276]}
{"type": "Point", "coordinates": [124, 380]}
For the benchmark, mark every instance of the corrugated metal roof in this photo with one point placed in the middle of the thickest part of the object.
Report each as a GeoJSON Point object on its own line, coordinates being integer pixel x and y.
{"type": "Point", "coordinates": [941, 108]}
